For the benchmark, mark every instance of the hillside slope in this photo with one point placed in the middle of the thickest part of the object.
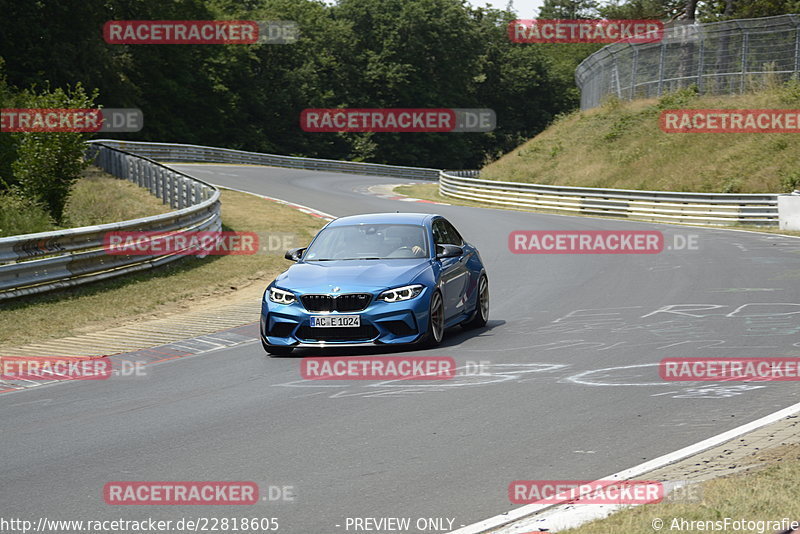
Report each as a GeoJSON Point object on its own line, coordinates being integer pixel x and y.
{"type": "Point", "coordinates": [620, 145]}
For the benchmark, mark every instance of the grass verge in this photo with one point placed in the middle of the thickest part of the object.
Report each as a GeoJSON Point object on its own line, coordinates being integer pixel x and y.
{"type": "Point", "coordinates": [767, 492]}
{"type": "Point", "coordinates": [186, 283]}
{"type": "Point", "coordinates": [100, 198]}
{"type": "Point", "coordinates": [97, 198]}
{"type": "Point", "coordinates": [620, 145]}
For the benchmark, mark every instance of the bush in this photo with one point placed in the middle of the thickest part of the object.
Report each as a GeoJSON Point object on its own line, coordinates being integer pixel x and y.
{"type": "Point", "coordinates": [789, 92]}
{"type": "Point", "coordinates": [20, 215]}
{"type": "Point", "coordinates": [48, 163]}
{"type": "Point", "coordinates": [791, 181]}
{"type": "Point", "coordinates": [680, 98]}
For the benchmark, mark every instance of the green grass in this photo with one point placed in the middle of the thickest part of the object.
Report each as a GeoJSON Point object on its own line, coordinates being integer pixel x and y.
{"type": "Point", "coordinates": [97, 198]}
{"type": "Point", "coordinates": [768, 493]}
{"type": "Point", "coordinates": [20, 215]}
{"type": "Point", "coordinates": [620, 145]}
{"type": "Point", "coordinates": [189, 282]}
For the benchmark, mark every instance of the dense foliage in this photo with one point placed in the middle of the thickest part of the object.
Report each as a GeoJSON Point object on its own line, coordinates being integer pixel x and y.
{"type": "Point", "coordinates": [351, 53]}
{"type": "Point", "coordinates": [356, 53]}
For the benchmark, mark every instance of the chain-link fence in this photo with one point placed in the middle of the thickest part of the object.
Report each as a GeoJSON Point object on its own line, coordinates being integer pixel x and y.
{"type": "Point", "coordinates": [720, 58]}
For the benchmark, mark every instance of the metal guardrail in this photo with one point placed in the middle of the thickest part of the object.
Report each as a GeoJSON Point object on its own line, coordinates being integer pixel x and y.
{"type": "Point", "coordinates": [728, 57]}
{"type": "Point", "coordinates": [715, 209]}
{"type": "Point", "coordinates": [663, 206]}
{"type": "Point", "coordinates": [179, 153]}
{"type": "Point", "coordinates": [34, 263]}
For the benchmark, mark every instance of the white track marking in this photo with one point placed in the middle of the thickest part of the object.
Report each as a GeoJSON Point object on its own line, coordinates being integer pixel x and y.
{"type": "Point", "coordinates": [516, 515]}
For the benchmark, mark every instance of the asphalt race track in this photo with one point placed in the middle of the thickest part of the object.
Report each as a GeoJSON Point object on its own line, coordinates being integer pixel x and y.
{"type": "Point", "coordinates": [571, 389]}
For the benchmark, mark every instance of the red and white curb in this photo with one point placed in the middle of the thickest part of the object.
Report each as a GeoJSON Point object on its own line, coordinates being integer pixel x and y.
{"type": "Point", "coordinates": [387, 192]}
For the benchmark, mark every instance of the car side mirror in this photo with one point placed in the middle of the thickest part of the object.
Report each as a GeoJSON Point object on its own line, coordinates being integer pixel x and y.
{"type": "Point", "coordinates": [448, 251]}
{"type": "Point", "coordinates": [294, 254]}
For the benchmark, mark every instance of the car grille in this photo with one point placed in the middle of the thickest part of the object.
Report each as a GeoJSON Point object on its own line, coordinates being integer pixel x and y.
{"type": "Point", "coordinates": [358, 333]}
{"type": "Point", "coordinates": [351, 302]}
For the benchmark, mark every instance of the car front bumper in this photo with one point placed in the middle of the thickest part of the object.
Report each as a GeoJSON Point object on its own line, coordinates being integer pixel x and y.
{"type": "Point", "coordinates": [382, 322]}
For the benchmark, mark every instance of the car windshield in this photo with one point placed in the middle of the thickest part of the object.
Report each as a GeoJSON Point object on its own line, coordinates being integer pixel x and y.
{"type": "Point", "coordinates": [369, 242]}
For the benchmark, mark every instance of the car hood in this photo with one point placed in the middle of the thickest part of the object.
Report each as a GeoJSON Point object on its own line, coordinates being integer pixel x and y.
{"type": "Point", "coordinates": [351, 275]}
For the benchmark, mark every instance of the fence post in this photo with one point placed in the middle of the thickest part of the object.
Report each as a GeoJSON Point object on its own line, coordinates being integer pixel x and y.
{"type": "Point", "coordinates": [745, 50]}
{"type": "Point", "coordinates": [661, 67]}
{"type": "Point", "coordinates": [634, 66]}
{"type": "Point", "coordinates": [700, 60]}
{"type": "Point", "coordinates": [796, 50]}
{"type": "Point", "coordinates": [615, 84]}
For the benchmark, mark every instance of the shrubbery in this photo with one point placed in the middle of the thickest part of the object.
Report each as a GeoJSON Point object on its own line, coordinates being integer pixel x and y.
{"type": "Point", "coordinates": [48, 163]}
{"type": "Point", "coordinates": [37, 169]}
{"type": "Point", "coordinates": [20, 215]}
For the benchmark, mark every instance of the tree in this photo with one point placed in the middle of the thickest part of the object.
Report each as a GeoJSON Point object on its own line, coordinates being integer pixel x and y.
{"type": "Point", "coordinates": [48, 163]}
{"type": "Point", "coordinates": [569, 9]}
{"type": "Point", "coordinates": [643, 9]}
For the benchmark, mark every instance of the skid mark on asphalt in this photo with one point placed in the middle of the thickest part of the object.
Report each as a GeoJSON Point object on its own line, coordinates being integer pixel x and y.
{"type": "Point", "coordinates": [522, 373]}
{"type": "Point", "coordinates": [133, 365]}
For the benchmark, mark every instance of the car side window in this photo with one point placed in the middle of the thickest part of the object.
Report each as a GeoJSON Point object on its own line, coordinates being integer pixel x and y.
{"type": "Point", "coordinates": [439, 232]}
{"type": "Point", "coordinates": [453, 237]}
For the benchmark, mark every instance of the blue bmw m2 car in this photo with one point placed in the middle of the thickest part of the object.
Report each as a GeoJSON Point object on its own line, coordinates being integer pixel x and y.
{"type": "Point", "coordinates": [385, 278]}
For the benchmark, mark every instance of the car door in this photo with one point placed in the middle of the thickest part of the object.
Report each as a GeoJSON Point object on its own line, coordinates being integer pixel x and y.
{"type": "Point", "coordinates": [454, 270]}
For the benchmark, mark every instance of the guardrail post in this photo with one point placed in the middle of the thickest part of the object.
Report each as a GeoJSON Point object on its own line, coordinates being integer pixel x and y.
{"type": "Point", "coordinates": [169, 193]}
{"type": "Point", "coordinates": [161, 181]}
{"type": "Point", "coordinates": [175, 189]}
{"type": "Point", "coordinates": [184, 200]}
{"type": "Point", "coordinates": [139, 174]}
{"type": "Point", "coordinates": [149, 179]}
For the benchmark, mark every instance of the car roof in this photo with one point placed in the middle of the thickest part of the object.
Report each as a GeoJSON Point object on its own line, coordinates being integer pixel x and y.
{"type": "Point", "coordinates": [384, 218]}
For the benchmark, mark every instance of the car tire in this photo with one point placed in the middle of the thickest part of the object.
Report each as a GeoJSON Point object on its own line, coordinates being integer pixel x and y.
{"type": "Point", "coordinates": [435, 332]}
{"type": "Point", "coordinates": [276, 350]}
{"type": "Point", "coordinates": [481, 315]}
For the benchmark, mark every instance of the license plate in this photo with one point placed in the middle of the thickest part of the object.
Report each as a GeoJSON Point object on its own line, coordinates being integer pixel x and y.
{"type": "Point", "coordinates": [335, 321]}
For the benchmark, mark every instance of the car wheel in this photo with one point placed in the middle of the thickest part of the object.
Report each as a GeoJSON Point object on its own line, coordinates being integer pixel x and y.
{"type": "Point", "coordinates": [275, 350]}
{"type": "Point", "coordinates": [481, 305]}
{"type": "Point", "coordinates": [435, 332]}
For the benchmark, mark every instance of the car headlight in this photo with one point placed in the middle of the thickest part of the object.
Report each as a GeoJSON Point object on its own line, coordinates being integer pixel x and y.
{"type": "Point", "coordinates": [280, 296]}
{"type": "Point", "coordinates": [401, 293]}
